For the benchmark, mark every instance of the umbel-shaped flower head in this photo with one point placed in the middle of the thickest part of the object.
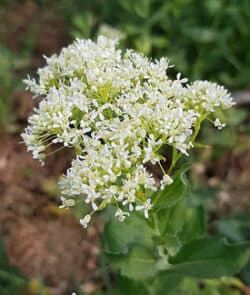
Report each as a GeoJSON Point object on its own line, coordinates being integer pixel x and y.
{"type": "Point", "coordinates": [116, 110]}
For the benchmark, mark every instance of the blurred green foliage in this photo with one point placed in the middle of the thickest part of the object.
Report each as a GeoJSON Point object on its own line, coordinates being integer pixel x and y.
{"type": "Point", "coordinates": [207, 39]}
{"type": "Point", "coordinates": [225, 286]}
{"type": "Point", "coordinates": [11, 281]}
{"type": "Point", "coordinates": [235, 136]}
{"type": "Point", "coordinates": [11, 66]}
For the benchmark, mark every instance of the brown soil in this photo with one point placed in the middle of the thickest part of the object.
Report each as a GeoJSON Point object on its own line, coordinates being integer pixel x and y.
{"type": "Point", "coordinates": [234, 169]}
{"type": "Point", "coordinates": [41, 239]}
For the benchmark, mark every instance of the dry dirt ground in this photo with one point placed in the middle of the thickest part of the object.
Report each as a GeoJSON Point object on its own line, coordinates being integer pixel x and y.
{"type": "Point", "coordinates": [40, 239]}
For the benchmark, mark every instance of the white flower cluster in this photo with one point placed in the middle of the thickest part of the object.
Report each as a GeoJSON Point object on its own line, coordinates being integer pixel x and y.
{"type": "Point", "coordinates": [117, 110]}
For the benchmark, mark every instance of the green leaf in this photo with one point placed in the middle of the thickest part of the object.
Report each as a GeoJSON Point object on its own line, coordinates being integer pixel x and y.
{"type": "Point", "coordinates": [236, 116]}
{"type": "Point", "coordinates": [235, 228]}
{"type": "Point", "coordinates": [203, 259]}
{"type": "Point", "coordinates": [172, 243]}
{"type": "Point", "coordinates": [194, 227]}
{"type": "Point", "coordinates": [118, 236]}
{"type": "Point", "coordinates": [82, 24]}
{"type": "Point", "coordinates": [171, 194]}
{"type": "Point", "coordinates": [142, 8]}
{"type": "Point", "coordinates": [208, 287]}
{"type": "Point", "coordinates": [125, 286]}
{"type": "Point", "coordinates": [224, 138]}
{"type": "Point", "coordinates": [166, 282]}
{"type": "Point", "coordinates": [172, 219]}
{"type": "Point", "coordinates": [203, 35]}
{"type": "Point", "coordinates": [172, 212]}
{"type": "Point", "coordinates": [245, 274]}
{"type": "Point", "coordinates": [190, 286]}
{"type": "Point", "coordinates": [170, 222]}
{"type": "Point", "coordinates": [210, 258]}
{"type": "Point", "coordinates": [139, 264]}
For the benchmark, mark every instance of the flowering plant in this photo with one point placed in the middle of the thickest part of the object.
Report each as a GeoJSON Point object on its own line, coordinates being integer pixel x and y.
{"type": "Point", "coordinates": [120, 113]}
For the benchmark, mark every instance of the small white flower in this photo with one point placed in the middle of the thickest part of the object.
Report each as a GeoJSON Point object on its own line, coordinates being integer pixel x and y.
{"type": "Point", "coordinates": [146, 206]}
{"type": "Point", "coordinates": [129, 199]}
{"type": "Point", "coordinates": [182, 80]}
{"type": "Point", "coordinates": [121, 215]}
{"type": "Point", "coordinates": [66, 203]}
{"type": "Point", "coordinates": [218, 124]}
{"type": "Point", "coordinates": [166, 180]}
{"type": "Point", "coordinates": [85, 221]}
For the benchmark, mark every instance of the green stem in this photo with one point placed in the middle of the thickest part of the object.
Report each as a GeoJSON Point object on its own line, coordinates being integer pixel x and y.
{"type": "Point", "coordinates": [177, 155]}
{"type": "Point", "coordinates": [196, 130]}
{"type": "Point", "coordinates": [175, 158]}
{"type": "Point", "coordinates": [154, 224]}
